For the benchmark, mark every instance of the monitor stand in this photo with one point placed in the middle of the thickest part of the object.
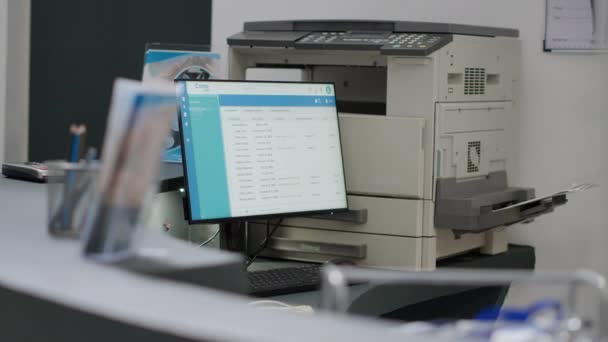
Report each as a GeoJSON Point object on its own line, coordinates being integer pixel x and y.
{"type": "Point", "coordinates": [233, 236]}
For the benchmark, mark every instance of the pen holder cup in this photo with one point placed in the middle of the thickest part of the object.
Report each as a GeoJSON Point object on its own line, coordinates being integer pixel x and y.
{"type": "Point", "coordinates": [71, 191]}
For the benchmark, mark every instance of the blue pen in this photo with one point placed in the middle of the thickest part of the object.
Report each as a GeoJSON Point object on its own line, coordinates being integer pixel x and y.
{"type": "Point", "coordinates": [75, 148]}
{"type": "Point", "coordinates": [76, 132]}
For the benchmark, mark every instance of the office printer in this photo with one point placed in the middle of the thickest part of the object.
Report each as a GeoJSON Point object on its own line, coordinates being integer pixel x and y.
{"type": "Point", "coordinates": [426, 120]}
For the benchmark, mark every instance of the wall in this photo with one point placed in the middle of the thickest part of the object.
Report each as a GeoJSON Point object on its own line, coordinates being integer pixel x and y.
{"type": "Point", "coordinates": [563, 104]}
{"type": "Point", "coordinates": [3, 35]}
{"type": "Point", "coordinates": [17, 76]}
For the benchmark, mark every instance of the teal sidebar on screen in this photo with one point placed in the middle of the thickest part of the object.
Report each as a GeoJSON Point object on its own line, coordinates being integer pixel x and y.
{"type": "Point", "coordinates": [204, 148]}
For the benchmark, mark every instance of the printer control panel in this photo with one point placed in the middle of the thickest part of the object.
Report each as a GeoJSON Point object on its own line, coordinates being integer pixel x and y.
{"type": "Point", "coordinates": [410, 44]}
{"type": "Point", "coordinates": [351, 38]}
{"type": "Point", "coordinates": [392, 38]}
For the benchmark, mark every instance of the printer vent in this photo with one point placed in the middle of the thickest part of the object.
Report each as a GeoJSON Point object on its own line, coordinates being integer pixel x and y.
{"type": "Point", "coordinates": [474, 156]}
{"type": "Point", "coordinates": [474, 81]}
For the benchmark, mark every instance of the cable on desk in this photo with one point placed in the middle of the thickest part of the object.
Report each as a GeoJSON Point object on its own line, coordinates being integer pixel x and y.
{"type": "Point", "coordinates": [280, 306]}
{"type": "Point", "coordinates": [264, 244]}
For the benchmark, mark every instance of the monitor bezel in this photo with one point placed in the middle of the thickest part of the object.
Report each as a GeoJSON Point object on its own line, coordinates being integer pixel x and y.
{"type": "Point", "coordinates": [256, 217]}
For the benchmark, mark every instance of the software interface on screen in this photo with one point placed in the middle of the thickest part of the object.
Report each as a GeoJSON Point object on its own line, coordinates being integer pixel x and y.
{"type": "Point", "coordinates": [260, 148]}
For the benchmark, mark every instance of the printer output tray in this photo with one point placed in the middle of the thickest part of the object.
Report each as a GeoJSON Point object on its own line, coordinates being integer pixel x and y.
{"type": "Point", "coordinates": [477, 206]}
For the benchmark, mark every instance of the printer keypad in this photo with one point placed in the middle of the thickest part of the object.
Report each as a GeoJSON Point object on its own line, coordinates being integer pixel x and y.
{"type": "Point", "coordinates": [415, 44]}
{"type": "Point", "coordinates": [341, 38]}
{"type": "Point", "coordinates": [412, 40]}
{"type": "Point", "coordinates": [398, 43]}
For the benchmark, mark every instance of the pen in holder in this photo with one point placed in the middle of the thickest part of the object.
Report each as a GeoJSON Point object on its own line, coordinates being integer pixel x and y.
{"type": "Point", "coordinates": [71, 188]}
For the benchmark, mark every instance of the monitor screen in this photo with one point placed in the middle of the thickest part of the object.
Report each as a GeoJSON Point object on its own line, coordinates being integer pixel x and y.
{"type": "Point", "coordinates": [260, 149]}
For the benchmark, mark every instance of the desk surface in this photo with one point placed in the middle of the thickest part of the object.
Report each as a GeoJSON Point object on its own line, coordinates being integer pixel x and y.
{"type": "Point", "coordinates": [36, 265]}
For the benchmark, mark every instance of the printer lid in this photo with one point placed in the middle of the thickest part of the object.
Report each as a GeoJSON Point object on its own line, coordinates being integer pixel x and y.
{"type": "Point", "coordinates": [378, 25]}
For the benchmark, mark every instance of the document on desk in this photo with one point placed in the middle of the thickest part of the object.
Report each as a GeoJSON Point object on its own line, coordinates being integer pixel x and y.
{"type": "Point", "coordinates": [576, 25]}
{"type": "Point", "coordinates": [573, 189]}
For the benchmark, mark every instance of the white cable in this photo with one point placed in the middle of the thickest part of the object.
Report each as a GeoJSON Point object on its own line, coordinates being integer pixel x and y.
{"type": "Point", "coordinates": [269, 302]}
{"type": "Point", "coordinates": [280, 306]}
{"type": "Point", "coordinates": [211, 238]}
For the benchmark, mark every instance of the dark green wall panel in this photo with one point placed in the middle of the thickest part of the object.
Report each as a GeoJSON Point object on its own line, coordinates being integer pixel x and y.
{"type": "Point", "coordinates": [78, 47]}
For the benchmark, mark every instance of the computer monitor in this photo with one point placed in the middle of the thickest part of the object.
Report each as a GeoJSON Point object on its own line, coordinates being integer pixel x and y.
{"type": "Point", "coordinates": [260, 149]}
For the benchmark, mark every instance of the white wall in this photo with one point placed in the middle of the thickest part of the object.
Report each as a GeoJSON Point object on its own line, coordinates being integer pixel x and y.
{"type": "Point", "coordinates": [17, 75]}
{"type": "Point", "coordinates": [3, 36]}
{"type": "Point", "coordinates": [563, 103]}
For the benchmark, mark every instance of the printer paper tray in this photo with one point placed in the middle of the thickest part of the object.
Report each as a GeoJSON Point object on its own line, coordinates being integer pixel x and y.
{"type": "Point", "coordinates": [522, 212]}
{"type": "Point", "coordinates": [492, 204]}
{"type": "Point", "coordinates": [528, 210]}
